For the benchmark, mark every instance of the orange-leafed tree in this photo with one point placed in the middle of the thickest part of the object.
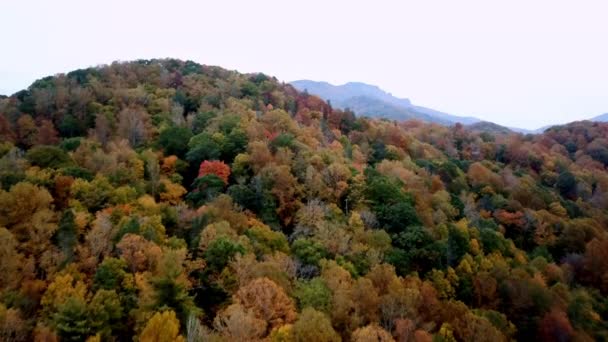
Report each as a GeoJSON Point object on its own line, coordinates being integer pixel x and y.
{"type": "Point", "coordinates": [372, 332]}
{"type": "Point", "coordinates": [268, 301]}
{"type": "Point", "coordinates": [214, 167]}
{"type": "Point", "coordinates": [594, 264]}
{"type": "Point", "coordinates": [515, 219]}
{"type": "Point", "coordinates": [12, 325]}
{"type": "Point", "coordinates": [239, 324]}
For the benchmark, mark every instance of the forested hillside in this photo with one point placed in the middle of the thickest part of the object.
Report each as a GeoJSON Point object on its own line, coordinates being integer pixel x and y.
{"type": "Point", "coordinates": [162, 200]}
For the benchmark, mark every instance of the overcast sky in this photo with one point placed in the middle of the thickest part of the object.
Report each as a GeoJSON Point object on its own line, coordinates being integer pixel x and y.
{"type": "Point", "coordinates": [517, 63]}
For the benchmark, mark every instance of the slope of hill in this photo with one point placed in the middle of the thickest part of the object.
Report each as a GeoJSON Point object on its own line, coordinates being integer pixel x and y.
{"type": "Point", "coordinates": [372, 101]}
{"type": "Point", "coordinates": [601, 118]}
{"type": "Point", "coordinates": [376, 108]}
{"type": "Point", "coordinates": [168, 200]}
{"type": "Point", "coordinates": [490, 127]}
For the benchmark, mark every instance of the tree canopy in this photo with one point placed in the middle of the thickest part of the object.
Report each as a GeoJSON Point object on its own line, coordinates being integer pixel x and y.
{"type": "Point", "coordinates": [164, 200]}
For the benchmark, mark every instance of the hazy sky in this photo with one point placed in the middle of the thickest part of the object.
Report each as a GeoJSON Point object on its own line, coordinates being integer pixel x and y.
{"type": "Point", "coordinates": [518, 63]}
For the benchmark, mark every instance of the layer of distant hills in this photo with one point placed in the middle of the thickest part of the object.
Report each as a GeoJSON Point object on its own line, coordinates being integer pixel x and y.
{"type": "Point", "coordinates": [370, 100]}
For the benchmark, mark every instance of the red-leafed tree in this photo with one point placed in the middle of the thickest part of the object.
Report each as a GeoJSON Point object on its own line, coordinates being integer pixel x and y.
{"type": "Point", "coordinates": [270, 135]}
{"type": "Point", "coordinates": [511, 219]}
{"type": "Point", "coordinates": [6, 129]}
{"type": "Point", "coordinates": [555, 326]}
{"type": "Point", "coordinates": [47, 134]}
{"type": "Point", "coordinates": [215, 167]}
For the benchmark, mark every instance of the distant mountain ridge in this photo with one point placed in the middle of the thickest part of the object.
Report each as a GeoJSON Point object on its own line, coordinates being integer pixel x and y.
{"type": "Point", "coordinates": [371, 100]}
{"type": "Point", "coordinates": [601, 118]}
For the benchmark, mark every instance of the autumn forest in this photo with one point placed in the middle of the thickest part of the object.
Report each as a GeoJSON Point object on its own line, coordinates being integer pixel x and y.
{"type": "Point", "coordinates": [164, 200]}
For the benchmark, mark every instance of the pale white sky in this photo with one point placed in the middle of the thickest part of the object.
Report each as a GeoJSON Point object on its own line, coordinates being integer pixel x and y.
{"type": "Point", "coordinates": [517, 63]}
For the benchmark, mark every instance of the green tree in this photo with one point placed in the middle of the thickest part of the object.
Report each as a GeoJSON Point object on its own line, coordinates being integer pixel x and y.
{"type": "Point", "coordinates": [206, 188]}
{"type": "Point", "coordinates": [201, 120]}
{"type": "Point", "coordinates": [94, 194]}
{"type": "Point", "coordinates": [72, 320]}
{"type": "Point", "coordinates": [309, 252]}
{"type": "Point", "coordinates": [70, 126]}
{"type": "Point", "coordinates": [234, 143]}
{"type": "Point", "coordinates": [48, 157]}
{"type": "Point", "coordinates": [458, 245]}
{"type": "Point", "coordinates": [202, 147]}
{"type": "Point", "coordinates": [171, 287]}
{"type": "Point", "coordinates": [106, 312]}
{"type": "Point", "coordinates": [314, 293]}
{"type": "Point", "coordinates": [265, 241]}
{"type": "Point", "coordinates": [566, 184]}
{"type": "Point", "coordinates": [220, 252]}
{"type": "Point", "coordinates": [66, 235]}
{"type": "Point", "coordinates": [110, 274]}
{"type": "Point", "coordinates": [393, 207]}
{"type": "Point", "coordinates": [314, 326]}
{"type": "Point", "coordinates": [416, 250]}
{"type": "Point", "coordinates": [174, 140]}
